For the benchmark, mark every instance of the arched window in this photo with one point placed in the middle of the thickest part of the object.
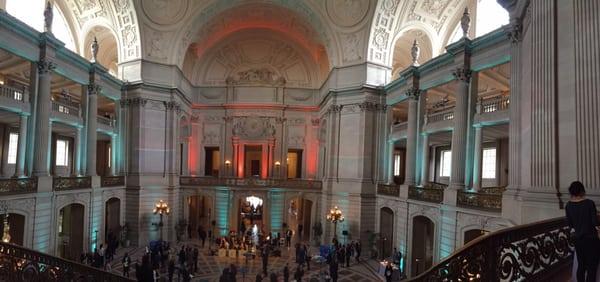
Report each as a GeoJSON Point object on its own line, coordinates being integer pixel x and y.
{"type": "Point", "coordinates": [31, 12]}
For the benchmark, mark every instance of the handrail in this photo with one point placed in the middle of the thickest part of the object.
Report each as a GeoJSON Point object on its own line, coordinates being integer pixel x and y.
{"type": "Point", "coordinates": [495, 104]}
{"type": "Point", "coordinates": [446, 114]}
{"type": "Point", "coordinates": [65, 109]}
{"type": "Point", "coordinates": [251, 182]}
{"type": "Point", "coordinates": [11, 186]}
{"type": "Point", "coordinates": [112, 181]}
{"type": "Point", "coordinates": [71, 183]}
{"type": "Point", "coordinates": [493, 190]}
{"type": "Point", "coordinates": [21, 264]}
{"type": "Point", "coordinates": [427, 194]}
{"type": "Point", "coordinates": [480, 200]}
{"type": "Point", "coordinates": [106, 121]}
{"type": "Point", "coordinates": [532, 252]}
{"type": "Point", "coordinates": [14, 93]}
{"type": "Point", "coordinates": [388, 190]}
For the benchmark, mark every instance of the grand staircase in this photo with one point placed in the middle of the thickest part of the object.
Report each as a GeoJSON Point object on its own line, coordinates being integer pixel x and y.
{"type": "Point", "coordinates": [21, 264]}
{"type": "Point", "coordinates": [540, 251]}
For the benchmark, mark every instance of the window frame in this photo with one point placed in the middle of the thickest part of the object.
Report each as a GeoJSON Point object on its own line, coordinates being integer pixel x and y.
{"type": "Point", "coordinates": [442, 160]}
{"type": "Point", "coordinates": [483, 163]}
{"type": "Point", "coordinates": [65, 157]}
{"type": "Point", "coordinates": [13, 148]}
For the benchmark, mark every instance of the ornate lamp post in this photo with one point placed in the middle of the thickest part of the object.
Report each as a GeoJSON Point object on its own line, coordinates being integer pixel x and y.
{"type": "Point", "coordinates": [335, 215]}
{"type": "Point", "coordinates": [5, 225]}
{"type": "Point", "coordinates": [161, 208]}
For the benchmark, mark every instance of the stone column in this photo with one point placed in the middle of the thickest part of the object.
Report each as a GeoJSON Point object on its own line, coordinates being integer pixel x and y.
{"type": "Point", "coordinates": [42, 120]}
{"type": "Point", "coordinates": [92, 124]}
{"type": "Point", "coordinates": [411, 139]}
{"type": "Point", "coordinates": [264, 170]}
{"type": "Point", "coordinates": [20, 168]}
{"type": "Point", "coordinates": [271, 162]}
{"type": "Point", "coordinates": [477, 159]}
{"type": "Point", "coordinates": [425, 161]}
{"type": "Point", "coordinates": [459, 134]}
{"type": "Point", "coordinates": [78, 151]}
{"type": "Point", "coordinates": [390, 161]}
{"type": "Point", "coordinates": [113, 154]}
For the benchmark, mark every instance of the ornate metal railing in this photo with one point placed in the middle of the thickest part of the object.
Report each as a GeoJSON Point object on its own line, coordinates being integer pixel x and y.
{"type": "Point", "coordinates": [400, 125]}
{"type": "Point", "coordinates": [447, 114]}
{"type": "Point", "coordinates": [493, 190]}
{"type": "Point", "coordinates": [14, 93]}
{"type": "Point", "coordinates": [106, 121]}
{"type": "Point", "coordinates": [531, 252]}
{"type": "Point", "coordinates": [433, 195]}
{"type": "Point", "coordinates": [251, 182]}
{"type": "Point", "coordinates": [20, 264]}
{"type": "Point", "coordinates": [388, 190]}
{"type": "Point", "coordinates": [493, 105]}
{"type": "Point", "coordinates": [112, 181]}
{"type": "Point", "coordinates": [479, 200]}
{"type": "Point", "coordinates": [435, 185]}
{"type": "Point", "coordinates": [65, 109]}
{"type": "Point", "coordinates": [71, 183]}
{"type": "Point", "coordinates": [12, 186]}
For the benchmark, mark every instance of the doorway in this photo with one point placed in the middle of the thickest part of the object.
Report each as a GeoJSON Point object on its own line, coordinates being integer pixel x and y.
{"type": "Point", "coordinates": [294, 163]}
{"type": "Point", "coordinates": [251, 215]}
{"type": "Point", "coordinates": [299, 216]}
{"type": "Point", "coordinates": [253, 160]}
{"type": "Point", "coordinates": [198, 214]}
{"type": "Point", "coordinates": [422, 244]}
{"type": "Point", "coordinates": [16, 223]}
{"type": "Point", "coordinates": [386, 231]}
{"type": "Point", "coordinates": [70, 231]}
{"type": "Point", "coordinates": [473, 234]}
{"type": "Point", "coordinates": [212, 161]}
{"type": "Point", "coordinates": [112, 218]}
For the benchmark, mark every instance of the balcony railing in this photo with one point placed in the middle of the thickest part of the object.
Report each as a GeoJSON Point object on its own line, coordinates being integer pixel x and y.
{"type": "Point", "coordinates": [71, 183]}
{"type": "Point", "coordinates": [493, 105]}
{"type": "Point", "coordinates": [251, 182]}
{"type": "Point", "coordinates": [447, 114]}
{"type": "Point", "coordinates": [532, 252]}
{"type": "Point", "coordinates": [400, 125]}
{"type": "Point", "coordinates": [65, 109]}
{"type": "Point", "coordinates": [493, 190]}
{"type": "Point", "coordinates": [20, 264]}
{"type": "Point", "coordinates": [388, 190]}
{"type": "Point", "coordinates": [106, 121]}
{"type": "Point", "coordinates": [13, 186]}
{"type": "Point", "coordinates": [112, 181]}
{"type": "Point", "coordinates": [14, 93]}
{"type": "Point", "coordinates": [479, 200]}
{"type": "Point", "coordinates": [426, 194]}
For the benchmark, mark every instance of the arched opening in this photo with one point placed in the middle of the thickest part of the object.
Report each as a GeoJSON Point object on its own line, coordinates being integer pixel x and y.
{"type": "Point", "coordinates": [112, 219]}
{"type": "Point", "coordinates": [199, 212]}
{"type": "Point", "coordinates": [107, 52]}
{"type": "Point", "coordinates": [403, 50]}
{"type": "Point", "coordinates": [16, 224]}
{"type": "Point", "coordinates": [386, 231]}
{"type": "Point", "coordinates": [422, 244]}
{"type": "Point", "coordinates": [472, 234]}
{"type": "Point", "coordinates": [70, 231]}
{"type": "Point", "coordinates": [251, 215]}
{"type": "Point", "coordinates": [299, 216]}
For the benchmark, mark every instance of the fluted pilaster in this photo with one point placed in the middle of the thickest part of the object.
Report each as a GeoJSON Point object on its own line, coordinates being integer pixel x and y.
{"type": "Point", "coordinates": [92, 126]}
{"type": "Point", "coordinates": [411, 139]}
{"type": "Point", "coordinates": [477, 159]}
{"type": "Point", "coordinates": [20, 167]}
{"type": "Point", "coordinates": [514, 127]}
{"type": "Point", "coordinates": [425, 161]}
{"type": "Point", "coordinates": [459, 134]}
{"type": "Point", "coordinates": [42, 119]}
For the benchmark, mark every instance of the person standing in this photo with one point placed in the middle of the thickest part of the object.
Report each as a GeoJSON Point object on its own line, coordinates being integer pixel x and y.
{"type": "Point", "coordinates": [265, 258]}
{"type": "Point", "coordinates": [582, 217]}
{"type": "Point", "coordinates": [299, 273]}
{"type": "Point", "coordinates": [358, 250]}
{"type": "Point", "coordinates": [288, 238]}
{"type": "Point", "coordinates": [202, 235]}
{"type": "Point", "coordinates": [348, 254]}
{"type": "Point", "coordinates": [171, 269]}
{"type": "Point", "coordinates": [286, 273]}
{"type": "Point", "coordinates": [300, 229]}
{"type": "Point", "coordinates": [126, 263]}
{"type": "Point", "coordinates": [195, 258]}
{"type": "Point", "coordinates": [388, 272]}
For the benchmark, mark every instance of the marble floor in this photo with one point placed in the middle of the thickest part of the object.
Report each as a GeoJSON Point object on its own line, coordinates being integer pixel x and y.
{"type": "Point", "coordinates": [211, 267]}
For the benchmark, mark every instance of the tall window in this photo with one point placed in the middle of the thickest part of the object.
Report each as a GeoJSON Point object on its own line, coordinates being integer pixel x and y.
{"type": "Point", "coordinates": [109, 156]}
{"type": "Point", "coordinates": [13, 142]}
{"type": "Point", "coordinates": [445, 162]}
{"type": "Point", "coordinates": [488, 169]}
{"type": "Point", "coordinates": [62, 152]}
{"type": "Point", "coordinates": [397, 164]}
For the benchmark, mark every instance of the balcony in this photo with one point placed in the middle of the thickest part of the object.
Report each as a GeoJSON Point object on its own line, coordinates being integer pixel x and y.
{"type": "Point", "coordinates": [106, 121]}
{"type": "Point", "coordinates": [13, 98]}
{"type": "Point", "coordinates": [13, 186]}
{"type": "Point", "coordinates": [429, 193]}
{"type": "Point", "coordinates": [442, 119]}
{"type": "Point", "coordinates": [71, 183]}
{"type": "Point", "coordinates": [112, 181]}
{"type": "Point", "coordinates": [251, 182]}
{"type": "Point", "coordinates": [64, 108]}
{"type": "Point", "coordinates": [388, 190]}
{"type": "Point", "coordinates": [398, 130]}
{"type": "Point", "coordinates": [492, 111]}
{"type": "Point", "coordinates": [480, 201]}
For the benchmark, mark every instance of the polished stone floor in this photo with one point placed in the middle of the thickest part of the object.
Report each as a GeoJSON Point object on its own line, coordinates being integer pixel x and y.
{"type": "Point", "coordinates": [211, 267]}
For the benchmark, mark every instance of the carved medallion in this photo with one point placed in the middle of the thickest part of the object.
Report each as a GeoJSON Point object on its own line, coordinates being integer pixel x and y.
{"type": "Point", "coordinates": [347, 13]}
{"type": "Point", "coordinates": [164, 12]}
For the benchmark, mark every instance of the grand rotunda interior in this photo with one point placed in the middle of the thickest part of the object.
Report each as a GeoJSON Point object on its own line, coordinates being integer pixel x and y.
{"type": "Point", "coordinates": [351, 140]}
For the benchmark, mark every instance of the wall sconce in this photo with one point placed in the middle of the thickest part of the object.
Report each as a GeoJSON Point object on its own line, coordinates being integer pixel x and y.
{"type": "Point", "coordinates": [277, 163]}
{"type": "Point", "coordinates": [227, 162]}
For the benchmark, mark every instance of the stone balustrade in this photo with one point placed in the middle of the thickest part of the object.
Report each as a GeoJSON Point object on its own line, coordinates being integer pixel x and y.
{"type": "Point", "coordinates": [65, 109]}
{"type": "Point", "coordinates": [13, 186]}
{"type": "Point", "coordinates": [496, 104]}
{"type": "Point", "coordinates": [14, 93]}
{"type": "Point", "coordinates": [106, 121]}
{"type": "Point", "coordinates": [71, 183]}
{"type": "Point", "coordinates": [112, 181]}
{"type": "Point", "coordinates": [446, 114]}
{"type": "Point", "coordinates": [251, 182]}
{"type": "Point", "coordinates": [388, 190]}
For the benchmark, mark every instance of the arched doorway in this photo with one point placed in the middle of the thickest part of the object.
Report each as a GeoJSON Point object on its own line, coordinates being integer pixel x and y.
{"type": "Point", "coordinates": [16, 223]}
{"type": "Point", "coordinates": [472, 234]}
{"type": "Point", "coordinates": [251, 214]}
{"type": "Point", "coordinates": [386, 231]}
{"type": "Point", "coordinates": [299, 215]}
{"type": "Point", "coordinates": [112, 218]}
{"type": "Point", "coordinates": [198, 212]}
{"type": "Point", "coordinates": [422, 244]}
{"type": "Point", "coordinates": [70, 231]}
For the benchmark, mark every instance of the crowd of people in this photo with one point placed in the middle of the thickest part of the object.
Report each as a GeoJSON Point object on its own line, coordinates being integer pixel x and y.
{"type": "Point", "coordinates": [102, 255]}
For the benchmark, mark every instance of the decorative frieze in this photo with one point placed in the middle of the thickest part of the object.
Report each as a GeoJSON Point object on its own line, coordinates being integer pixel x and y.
{"type": "Point", "coordinates": [253, 127]}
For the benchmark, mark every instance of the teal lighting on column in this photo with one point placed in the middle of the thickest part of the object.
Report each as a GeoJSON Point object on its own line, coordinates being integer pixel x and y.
{"type": "Point", "coordinates": [276, 209]}
{"type": "Point", "coordinates": [222, 210]}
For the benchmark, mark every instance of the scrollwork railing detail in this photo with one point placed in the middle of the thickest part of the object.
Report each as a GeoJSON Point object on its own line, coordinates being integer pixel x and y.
{"type": "Point", "coordinates": [531, 252]}
{"type": "Point", "coordinates": [388, 190]}
{"type": "Point", "coordinates": [433, 195]}
{"type": "Point", "coordinates": [478, 200]}
{"type": "Point", "coordinates": [71, 183]}
{"type": "Point", "coordinates": [251, 182]}
{"type": "Point", "coordinates": [112, 181]}
{"type": "Point", "coordinates": [18, 186]}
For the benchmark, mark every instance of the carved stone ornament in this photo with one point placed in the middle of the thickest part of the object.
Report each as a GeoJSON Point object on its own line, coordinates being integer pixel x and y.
{"type": "Point", "coordinates": [253, 127]}
{"type": "Point", "coordinates": [172, 106]}
{"type": "Point", "coordinates": [48, 17]}
{"type": "Point", "coordinates": [45, 66]}
{"type": "Point", "coordinates": [257, 76]}
{"type": "Point", "coordinates": [95, 48]}
{"type": "Point", "coordinates": [164, 12]}
{"type": "Point", "coordinates": [515, 32]}
{"type": "Point", "coordinates": [94, 89]}
{"type": "Point", "coordinates": [347, 13]}
{"type": "Point", "coordinates": [315, 121]}
{"type": "Point", "coordinates": [462, 74]}
{"type": "Point", "coordinates": [413, 93]}
{"type": "Point", "coordinates": [465, 22]}
{"type": "Point", "coordinates": [415, 51]}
